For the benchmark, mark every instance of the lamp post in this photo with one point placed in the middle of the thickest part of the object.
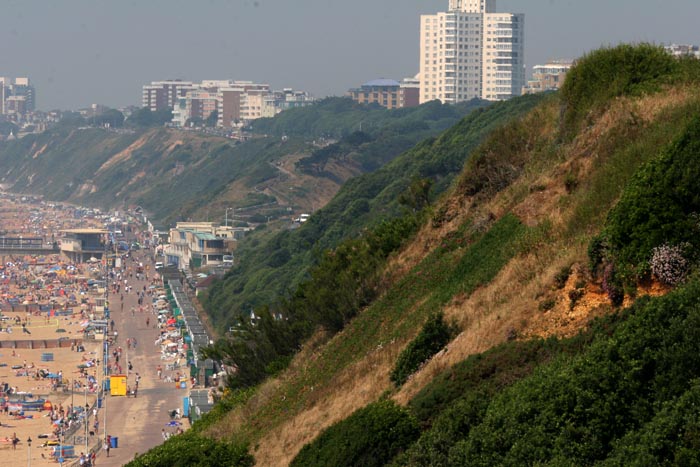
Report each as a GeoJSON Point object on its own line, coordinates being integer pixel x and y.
{"type": "Point", "coordinates": [87, 408]}
{"type": "Point", "coordinates": [105, 350]}
{"type": "Point", "coordinates": [60, 445]}
{"type": "Point", "coordinates": [233, 217]}
{"type": "Point", "coordinates": [29, 451]}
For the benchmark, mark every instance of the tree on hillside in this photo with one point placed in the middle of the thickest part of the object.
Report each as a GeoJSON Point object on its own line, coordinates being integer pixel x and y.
{"type": "Point", "coordinates": [146, 118]}
{"type": "Point", "coordinates": [8, 127]}
{"type": "Point", "coordinates": [111, 117]}
{"type": "Point", "coordinates": [212, 119]}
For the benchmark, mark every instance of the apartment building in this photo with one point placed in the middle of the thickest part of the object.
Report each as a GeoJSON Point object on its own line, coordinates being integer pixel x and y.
{"type": "Point", "coordinates": [17, 96]}
{"type": "Point", "coordinates": [387, 93]}
{"type": "Point", "coordinates": [197, 105]}
{"type": "Point", "coordinates": [161, 95]}
{"type": "Point", "coordinates": [548, 77]}
{"type": "Point", "coordinates": [471, 51]}
{"type": "Point", "coordinates": [236, 102]}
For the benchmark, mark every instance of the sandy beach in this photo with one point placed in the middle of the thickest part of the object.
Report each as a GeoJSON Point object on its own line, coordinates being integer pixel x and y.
{"type": "Point", "coordinates": [46, 304]}
{"type": "Point", "coordinates": [21, 370]}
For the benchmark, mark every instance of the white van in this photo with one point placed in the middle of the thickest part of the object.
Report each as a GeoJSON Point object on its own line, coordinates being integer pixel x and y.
{"type": "Point", "coordinates": [159, 265]}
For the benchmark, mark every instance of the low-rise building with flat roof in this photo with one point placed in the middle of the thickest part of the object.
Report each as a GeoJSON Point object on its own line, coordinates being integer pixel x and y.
{"type": "Point", "coordinates": [80, 245]}
{"type": "Point", "coordinates": [387, 93]}
{"type": "Point", "coordinates": [549, 77]}
{"type": "Point", "coordinates": [195, 245]}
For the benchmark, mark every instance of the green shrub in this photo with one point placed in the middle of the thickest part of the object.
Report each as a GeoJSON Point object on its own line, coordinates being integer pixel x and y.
{"type": "Point", "coordinates": [574, 296]}
{"type": "Point", "coordinates": [671, 438]}
{"type": "Point", "coordinates": [370, 437]}
{"type": "Point", "coordinates": [612, 285]}
{"type": "Point", "coordinates": [192, 449]}
{"type": "Point", "coordinates": [570, 183]}
{"type": "Point", "coordinates": [457, 400]}
{"type": "Point", "coordinates": [547, 304]}
{"type": "Point", "coordinates": [659, 205]}
{"type": "Point", "coordinates": [574, 410]}
{"type": "Point", "coordinates": [435, 335]}
{"type": "Point", "coordinates": [562, 276]}
{"type": "Point", "coordinates": [611, 72]}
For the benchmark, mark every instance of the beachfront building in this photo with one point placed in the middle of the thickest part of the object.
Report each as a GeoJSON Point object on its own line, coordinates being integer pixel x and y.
{"type": "Point", "coordinates": [195, 245]}
{"type": "Point", "coordinates": [80, 245]}
{"type": "Point", "coordinates": [549, 77]}
{"type": "Point", "coordinates": [471, 51]}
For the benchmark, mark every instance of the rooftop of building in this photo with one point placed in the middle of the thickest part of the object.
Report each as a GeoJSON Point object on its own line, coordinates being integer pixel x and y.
{"type": "Point", "coordinates": [84, 231]}
{"type": "Point", "coordinates": [381, 82]}
{"type": "Point", "coordinates": [205, 236]}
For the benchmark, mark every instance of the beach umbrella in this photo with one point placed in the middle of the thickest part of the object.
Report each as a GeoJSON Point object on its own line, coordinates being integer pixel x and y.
{"type": "Point", "coordinates": [173, 423]}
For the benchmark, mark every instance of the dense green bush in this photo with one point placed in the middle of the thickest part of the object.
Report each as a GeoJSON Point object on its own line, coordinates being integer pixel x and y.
{"type": "Point", "coordinates": [340, 118]}
{"type": "Point", "coordinates": [456, 401]}
{"type": "Point", "coordinates": [659, 206]}
{"type": "Point", "coordinates": [434, 336]}
{"type": "Point", "coordinates": [574, 410]}
{"type": "Point", "coordinates": [672, 437]}
{"type": "Point", "coordinates": [193, 449]}
{"type": "Point", "coordinates": [371, 436]}
{"type": "Point", "coordinates": [611, 72]}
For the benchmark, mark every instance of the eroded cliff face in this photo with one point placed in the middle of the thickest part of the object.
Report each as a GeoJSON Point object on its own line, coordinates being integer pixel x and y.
{"type": "Point", "coordinates": [172, 174]}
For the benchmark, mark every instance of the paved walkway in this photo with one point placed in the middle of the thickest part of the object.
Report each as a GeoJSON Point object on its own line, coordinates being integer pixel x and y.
{"type": "Point", "coordinates": [137, 422]}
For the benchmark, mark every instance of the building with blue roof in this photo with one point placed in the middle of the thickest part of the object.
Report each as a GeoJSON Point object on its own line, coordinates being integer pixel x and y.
{"type": "Point", "coordinates": [388, 93]}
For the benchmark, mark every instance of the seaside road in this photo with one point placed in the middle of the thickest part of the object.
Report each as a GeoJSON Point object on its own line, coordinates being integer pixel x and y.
{"type": "Point", "coordinates": [137, 422]}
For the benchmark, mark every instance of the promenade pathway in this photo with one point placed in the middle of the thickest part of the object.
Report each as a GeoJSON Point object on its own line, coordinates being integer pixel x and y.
{"type": "Point", "coordinates": [137, 422]}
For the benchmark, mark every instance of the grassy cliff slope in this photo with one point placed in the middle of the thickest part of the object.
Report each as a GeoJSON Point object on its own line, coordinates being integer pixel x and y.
{"type": "Point", "coordinates": [504, 255]}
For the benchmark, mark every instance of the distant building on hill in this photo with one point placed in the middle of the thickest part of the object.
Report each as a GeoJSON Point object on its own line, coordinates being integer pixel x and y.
{"type": "Point", "coordinates": [17, 97]}
{"type": "Point", "coordinates": [161, 95]}
{"type": "Point", "coordinates": [195, 105]}
{"type": "Point", "coordinates": [471, 51]}
{"type": "Point", "coordinates": [548, 77]}
{"type": "Point", "coordinates": [235, 102]}
{"type": "Point", "coordinates": [388, 93]}
{"type": "Point", "coordinates": [683, 50]}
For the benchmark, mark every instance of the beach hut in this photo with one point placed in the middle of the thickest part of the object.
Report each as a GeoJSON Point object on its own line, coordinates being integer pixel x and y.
{"type": "Point", "coordinates": [117, 385]}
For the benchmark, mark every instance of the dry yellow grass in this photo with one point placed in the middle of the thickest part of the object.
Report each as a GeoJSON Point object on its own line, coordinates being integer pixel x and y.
{"type": "Point", "coordinates": [353, 388]}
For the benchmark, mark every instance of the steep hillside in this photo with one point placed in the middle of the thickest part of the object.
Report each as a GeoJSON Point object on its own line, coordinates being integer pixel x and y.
{"type": "Point", "coordinates": [271, 266]}
{"type": "Point", "coordinates": [177, 175]}
{"type": "Point", "coordinates": [530, 242]}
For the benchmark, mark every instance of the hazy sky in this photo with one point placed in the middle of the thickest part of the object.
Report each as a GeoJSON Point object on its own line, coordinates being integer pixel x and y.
{"type": "Point", "coordinates": [79, 52]}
